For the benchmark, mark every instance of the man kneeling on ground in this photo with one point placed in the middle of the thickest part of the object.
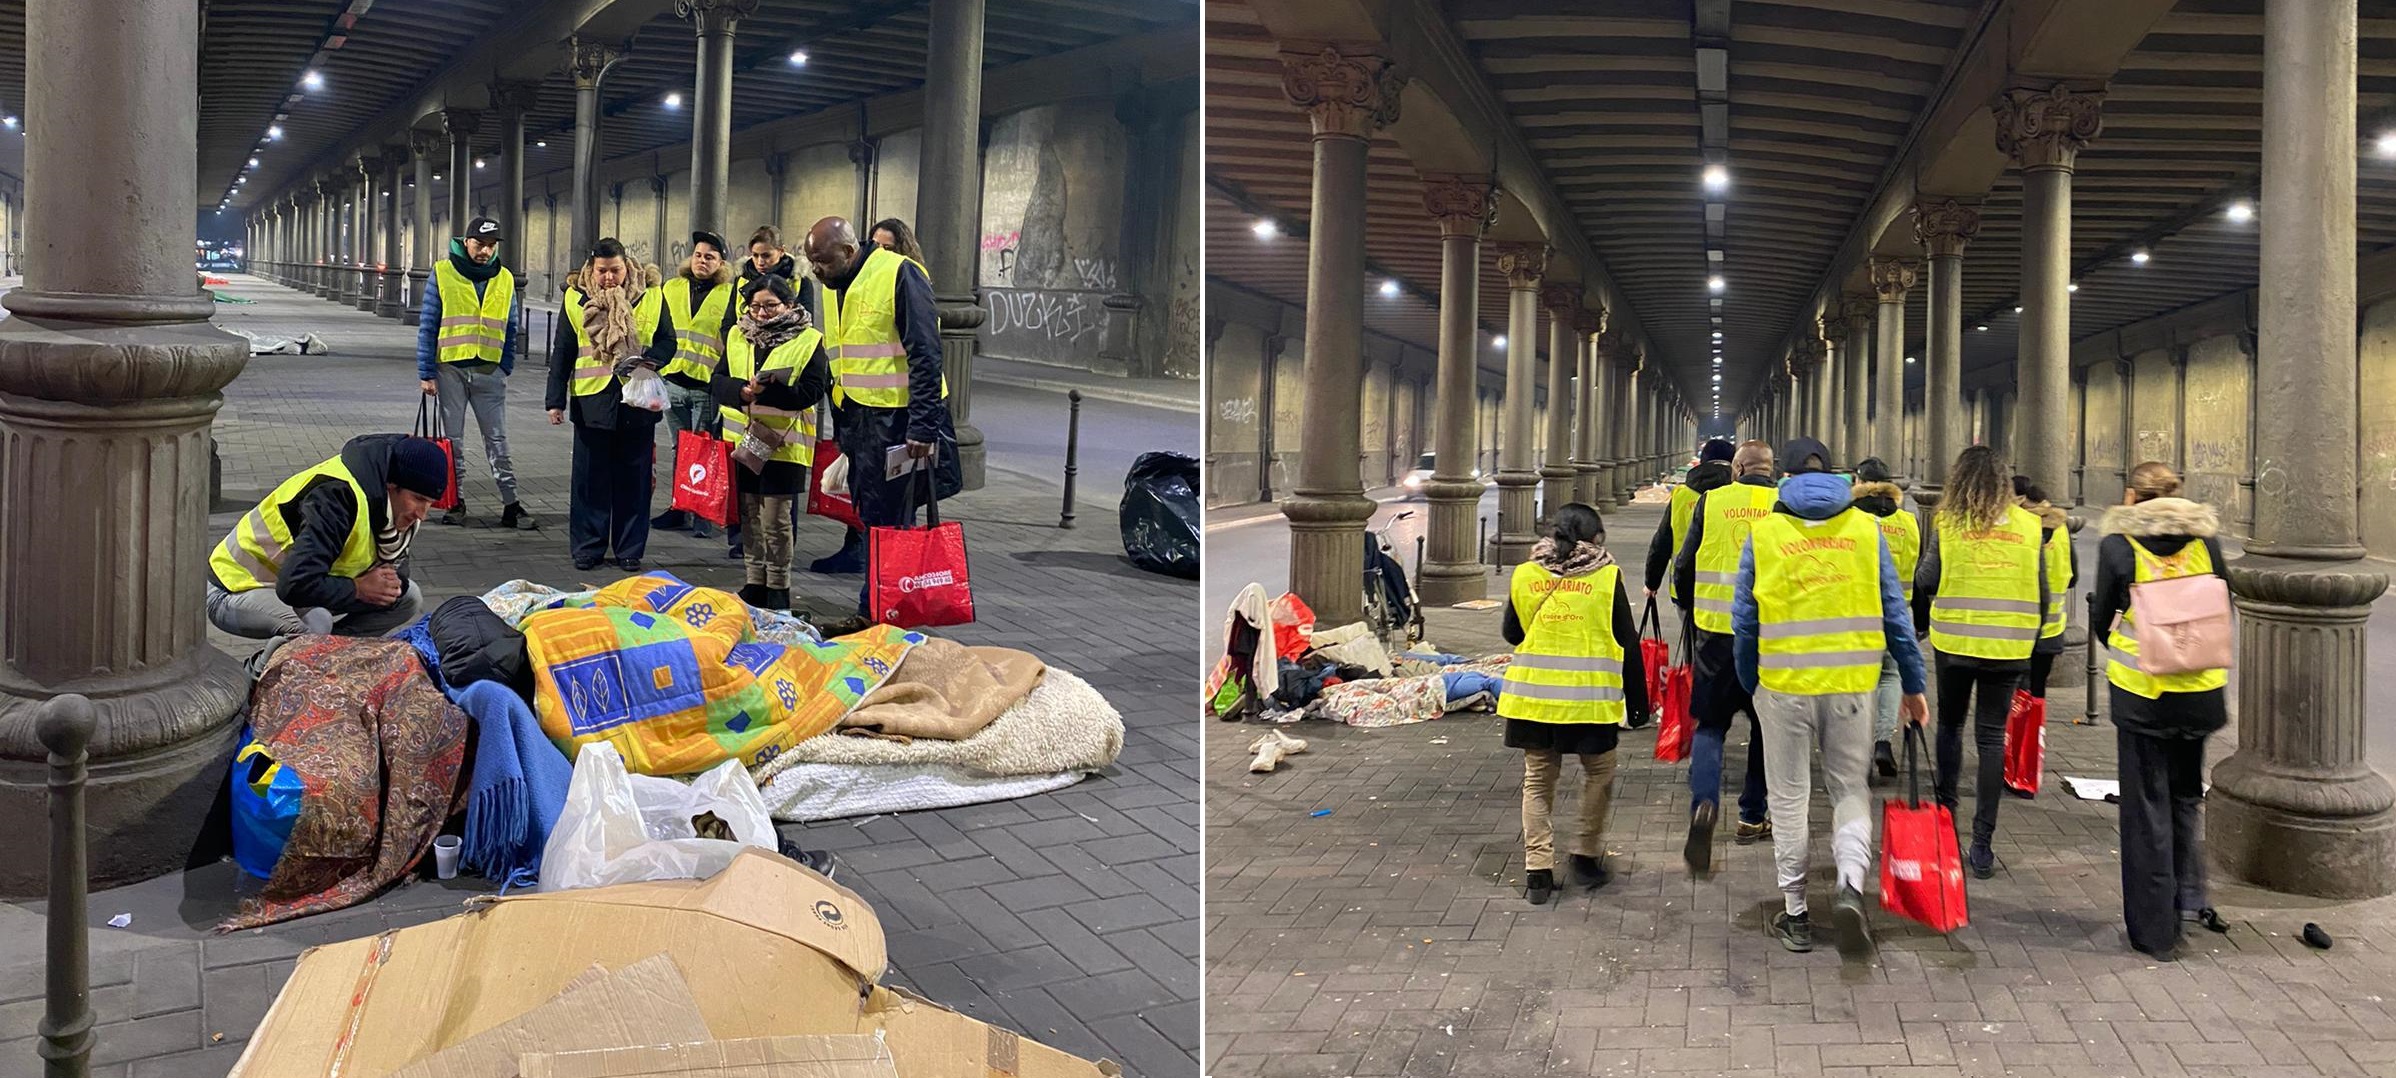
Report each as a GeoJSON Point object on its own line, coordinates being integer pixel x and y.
{"type": "Point", "coordinates": [324, 552]}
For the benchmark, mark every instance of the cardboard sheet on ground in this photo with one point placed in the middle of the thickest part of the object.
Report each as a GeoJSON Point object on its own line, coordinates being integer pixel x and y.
{"type": "Point", "coordinates": [769, 950]}
{"type": "Point", "coordinates": [843, 1056]}
{"type": "Point", "coordinates": [645, 1001]}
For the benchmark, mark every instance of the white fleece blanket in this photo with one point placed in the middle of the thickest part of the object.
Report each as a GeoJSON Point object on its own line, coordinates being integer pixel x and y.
{"type": "Point", "coordinates": [804, 793]}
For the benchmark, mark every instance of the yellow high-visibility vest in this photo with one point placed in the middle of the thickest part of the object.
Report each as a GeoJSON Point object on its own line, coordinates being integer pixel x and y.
{"type": "Point", "coordinates": [1730, 512]}
{"type": "Point", "coordinates": [251, 555]}
{"type": "Point", "coordinates": [1987, 601]}
{"type": "Point", "coordinates": [591, 372]}
{"type": "Point", "coordinates": [697, 347]}
{"type": "Point", "coordinates": [796, 428]}
{"type": "Point", "coordinates": [473, 328]}
{"type": "Point", "coordinates": [869, 362]}
{"type": "Point", "coordinates": [1684, 504]}
{"type": "Point", "coordinates": [1817, 598]}
{"type": "Point", "coordinates": [1568, 668]}
{"type": "Point", "coordinates": [2059, 583]}
{"type": "Point", "coordinates": [2122, 667]}
{"type": "Point", "coordinates": [1904, 535]}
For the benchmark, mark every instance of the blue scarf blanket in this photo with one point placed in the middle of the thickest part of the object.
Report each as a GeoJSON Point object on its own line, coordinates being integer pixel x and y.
{"type": "Point", "coordinates": [520, 777]}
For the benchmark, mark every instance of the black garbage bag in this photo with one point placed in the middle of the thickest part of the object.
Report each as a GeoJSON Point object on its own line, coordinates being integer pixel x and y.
{"type": "Point", "coordinates": [1160, 514]}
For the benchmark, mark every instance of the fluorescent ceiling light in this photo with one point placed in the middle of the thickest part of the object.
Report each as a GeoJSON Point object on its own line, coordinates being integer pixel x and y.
{"type": "Point", "coordinates": [1715, 284]}
{"type": "Point", "coordinates": [673, 101]}
{"type": "Point", "coordinates": [2140, 257]}
{"type": "Point", "coordinates": [312, 80]}
{"type": "Point", "coordinates": [2241, 211]}
{"type": "Point", "coordinates": [1389, 286]}
{"type": "Point", "coordinates": [1717, 178]}
{"type": "Point", "coordinates": [798, 58]}
{"type": "Point", "coordinates": [1265, 229]}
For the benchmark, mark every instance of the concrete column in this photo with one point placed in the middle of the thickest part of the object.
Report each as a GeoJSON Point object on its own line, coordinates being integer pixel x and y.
{"type": "Point", "coordinates": [2043, 130]}
{"type": "Point", "coordinates": [390, 294]}
{"type": "Point", "coordinates": [1452, 571]}
{"type": "Point", "coordinates": [459, 125]}
{"type": "Point", "coordinates": [370, 169]}
{"type": "Point", "coordinates": [1855, 379]}
{"type": "Point", "coordinates": [1626, 477]}
{"type": "Point", "coordinates": [2297, 808]}
{"type": "Point", "coordinates": [1522, 264]}
{"type": "Point", "coordinates": [1591, 409]}
{"type": "Point", "coordinates": [1944, 226]}
{"type": "Point", "coordinates": [336, 207]}
{"type": "Point", "coordinates": [320, 238]}
{"type": "Point", "coordinates": [948, 211]}
{"type": "Point", "coordinates": [513, 99]}
{"type": "Point", "coordinates": [1347, 95]}
{"type": "Point", "coordinates": [356, 286]}
{"type": "Point", "coordinates": [1892, 278]}
{"type": "Point", "coordinates": [109, 377]}
{"type": "Point", "coordinates": [1606, 414]}
{"type": "Point", "coordinates": [425, 148]}
{"type": "Point", "coordinates": [1556, 473]}
{"type": "Point", "coordinates": [1833, 388]}
{"type": "Point", "coordinates": [711, 104]}
{"type": "Point", "coordinates": [590, 62]}
{"type": "Point", "coordinates": [1821, 410]}
{"type": "Point", "coordinates": [342, 257]}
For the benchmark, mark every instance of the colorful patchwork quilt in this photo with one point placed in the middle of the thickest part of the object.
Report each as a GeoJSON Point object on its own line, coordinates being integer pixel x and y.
{"type": "Point", "coordinates": [678, 680]}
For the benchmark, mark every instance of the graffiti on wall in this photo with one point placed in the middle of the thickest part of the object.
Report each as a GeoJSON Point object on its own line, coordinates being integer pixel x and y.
{"type": "Point", "coordinates": [1044, 318]}
{"type": "Point", "coordinates": [1239, 411]}
{"type": "Point", "coordinates": [2215, 455]}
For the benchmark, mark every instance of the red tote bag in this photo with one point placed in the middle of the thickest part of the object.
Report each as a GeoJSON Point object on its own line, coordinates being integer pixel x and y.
{"type": "Point", "coordinates": [1921, 871]}
{"type": "Point", "coordinates": [827, 505]}
{"type": "Point", "coordinates": [426, 417]}
{"type": "Point", "coordinates": [1656, 651]}
{"type": "Point", "coordinates": [916, 577]}
{"type": "Point", "coordinates": [2025, 743]}
{"type": "Point", "coordinates": [703, 476]}
{"type": "Point", "coordinates": [1677, 730]}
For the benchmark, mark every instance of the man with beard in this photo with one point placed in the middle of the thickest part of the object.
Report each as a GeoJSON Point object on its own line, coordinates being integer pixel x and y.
{"type": "Point", "coordinates": [465, 350]}
{"type": "Point", "coordinates": [612, 308]}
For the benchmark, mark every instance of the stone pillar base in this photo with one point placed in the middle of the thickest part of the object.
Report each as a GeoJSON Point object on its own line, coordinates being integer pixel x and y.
{"type": "Point", "coordinates": [1452, 571]}
{"type": "Point", "coordinates": [1928, 494]}
{"type": "Point", "coordinates": [367, 297]}
{"type": "Point", "coordinates": [1555, 489]}
{"type": "Point", "coordinates": [1517, 524]}
{"type": "Point", "coordinates": [387, 305]}
{"type": "Point", "coordinates": [2301, 853]}
{"type": "Point", "coordinates": [2071, 667]}
{"type": "Point", "coordinates": [960, 319]}
{"type": "Point", "coordinates": [410, 301]}
{"type": "Point", "coordinates": [1327, 552]}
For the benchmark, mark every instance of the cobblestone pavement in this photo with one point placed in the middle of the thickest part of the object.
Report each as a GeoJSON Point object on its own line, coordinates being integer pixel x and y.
{"type": "Point", "coordinates": [1070, 917]}
{"type": "Point", "coordinates": [1390, 937]}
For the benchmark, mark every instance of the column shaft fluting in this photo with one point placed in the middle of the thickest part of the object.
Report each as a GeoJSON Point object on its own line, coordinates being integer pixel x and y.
{"type": "Point", "coordinates": [460, 125]}
{"type": "Point", "coordinates": [425, 146]}
{"type": "Point", "coordinates": [388, 300]}
{"type": "Point", "coordinates": [1944, 227]}
{"type": "Point", "coordinates": [1591, 410]}
{"type": "Point", "coordinates": [1452, 571]}
{"type": "Point", "coordinates": [1891, 280]}
{"type": "Point", "coordinates": [1556, 473]}
{"type": "Point", "coordinates": [370, 170]}
{"type": "Point", "coordinates": [1517, 515]}
{"type": "Point", "coordinates": [1855, 379]}
{"type": "Point", "coordinates": [590, 63]}
{"type": "Point", "coordinates": [949, 208]}
{"type": "Point", "coordinates": [711, 109]}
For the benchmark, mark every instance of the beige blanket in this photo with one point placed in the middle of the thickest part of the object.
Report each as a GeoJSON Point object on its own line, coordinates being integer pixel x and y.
{"type": "Point", "coordinates": [946, 691]}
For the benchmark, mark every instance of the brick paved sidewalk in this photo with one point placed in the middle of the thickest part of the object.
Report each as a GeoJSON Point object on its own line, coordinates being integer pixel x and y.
{"type": "Point", "coordinates": [1070, 917]}
{"type": "Point", "coordinates": [1391, 937]}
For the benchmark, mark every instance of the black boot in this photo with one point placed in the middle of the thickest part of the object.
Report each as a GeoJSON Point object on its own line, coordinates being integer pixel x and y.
{"type": "Point", "coordinates": [850, 558]}
{"type": "Point", "coordinates": [777, 599]}
{"type": "Point", "coordinates": [672, 520]}
{"type": "Point", "coordinates": [1884, 759]}
{"type": "Point", "coordinates": [1590, 872]}
{"type": "Point", "coordinates": [512, 516]}
{"type": "Point", "coordinates": [1539, 885]}
{"type": "Point", "coordinates": [753, 594]}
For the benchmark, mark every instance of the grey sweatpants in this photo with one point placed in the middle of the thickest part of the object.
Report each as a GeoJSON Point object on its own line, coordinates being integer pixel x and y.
{"type": "Point", "coordinates": [1885, 699]}
{"type": "Point", "coordinates": [1840, 724]}
{"type": "Point", "coordinates": [486, 391]}
{"type": "Point", "coordinates": [258, 614]}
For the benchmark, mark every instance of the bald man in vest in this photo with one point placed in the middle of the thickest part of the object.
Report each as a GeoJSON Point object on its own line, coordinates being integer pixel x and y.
{"type": "Point", "coordinates": [882, 335]}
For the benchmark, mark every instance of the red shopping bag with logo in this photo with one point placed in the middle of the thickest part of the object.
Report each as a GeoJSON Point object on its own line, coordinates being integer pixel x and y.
{"type": "Point", "coordinates": [1677, 730]}
{"type": "Point", "coordinates": [1655, 652]}
{"type": "Point", "coordinates": [916, 577]}
{"type": "Point", "coordinates": [2025, 743]}
{"type": "Point", "coordinates": [426, 418]}
{"type": "Point", "coordinates": [829, 504]}
{"type": "Point", "coordinates": [703, 476]}
{"type": "Point", "coordinates": [1921, 871]}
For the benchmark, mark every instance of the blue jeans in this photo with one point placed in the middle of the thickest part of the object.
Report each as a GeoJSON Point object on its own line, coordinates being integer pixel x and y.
{"type": "Point", "coordinates": [1705, 771]}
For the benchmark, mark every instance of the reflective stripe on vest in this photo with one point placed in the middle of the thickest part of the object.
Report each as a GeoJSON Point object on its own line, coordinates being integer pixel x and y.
{"type": "Point", "coordinates": [869, 361]}
{"type": "Point", "coordinates": [472, 328]}
{"type": "Point", "coordinates": [1817, 595]}
{"type": "Point", "coordinates": [1987, 601]}
{"type": "Point", "coordinates": [1730, 512]}
{"type": "Point", "coordinates": [2059, 583]}
{"type": "Point", "coordinates": [251, 555]}
{"type": "Point", "coordinates": [1568, 668]}
{"type": "Point", "coordinates": [2122, 668]}
{"type": "Point", "coordinates": [697, 348]}
{"type": "Point", "coordinates": [797, 429]}
{"type": "Point", "coordinates": [1904, 535]}
{"type": "Point", "coordinates": [1684, 503]}
{"type": "Point", "coordinates": [592, 373]}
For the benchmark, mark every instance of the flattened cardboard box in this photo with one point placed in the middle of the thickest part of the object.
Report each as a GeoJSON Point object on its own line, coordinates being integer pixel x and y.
{"type": "Point", "coordinates": [846, 1056]}
{"type": "Point", "coordinates": [770, 949]}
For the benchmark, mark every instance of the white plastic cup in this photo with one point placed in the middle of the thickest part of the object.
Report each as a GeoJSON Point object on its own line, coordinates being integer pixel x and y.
{"type": "Point", "coordinates": [445, 856]}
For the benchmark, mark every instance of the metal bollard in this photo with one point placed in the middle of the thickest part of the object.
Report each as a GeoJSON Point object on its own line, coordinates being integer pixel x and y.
{"type": "Point", "coordinates": [1483, 557]}
{"type": "Point", "coordinates": [1073, 448]}
{"type": "Point", "coordinates": [65, 726]}
{"type": "Point", "coordinates": [2096, 678]}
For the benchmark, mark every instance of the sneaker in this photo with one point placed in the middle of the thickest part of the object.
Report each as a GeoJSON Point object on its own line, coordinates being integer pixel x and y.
{"type": "Point", "coordinates": [1590, 872]}
{"type": "Point", "coordinates": [1698, 851]}
{"type": "Point", "coordinates": [1749, 834]}
{"type": "Point", "coordinates": [1884, 759]}
{"type": "Point", "coordinates": [455, 516]}
{"type": "Point", "coordinates": [2206, 917]}
{"type": "Point", "coordinates": [672, 520]}
{"type": "Point", "coordinates": [1539, 885]}
{"type": "Point", "coordinates": [513, 516]}
{"type": "Point", "coordinates": [1795, 930]}
{"type": "Point", "coordinates": [1855, 933]}
{"type": "Point", "coordinates": [701, 529]}
{"type": "Point", "coordinates": [1981, 860]}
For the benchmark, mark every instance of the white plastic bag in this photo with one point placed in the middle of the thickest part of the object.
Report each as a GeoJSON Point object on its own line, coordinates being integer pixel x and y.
{"type": "Point", "coordinates": [644, 389]}
{"type": "Point", "coordinates": [836, 476]}
{"type": "Point", "coordinates": [620, 827]}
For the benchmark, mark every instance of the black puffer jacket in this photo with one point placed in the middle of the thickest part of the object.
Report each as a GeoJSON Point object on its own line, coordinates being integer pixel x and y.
{"type": "Point", "coordinates": [2164, 526]}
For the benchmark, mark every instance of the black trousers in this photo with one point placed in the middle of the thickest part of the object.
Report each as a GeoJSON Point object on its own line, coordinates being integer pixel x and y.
{"type": "Point", "coordinates": [2162, 834]}
{"type": "Point", "coordinates": [1956, 684]}
{"type": "Point", "coordinates": [2041, 664]}
{"type": "Point", "coordinates": [612, 487]}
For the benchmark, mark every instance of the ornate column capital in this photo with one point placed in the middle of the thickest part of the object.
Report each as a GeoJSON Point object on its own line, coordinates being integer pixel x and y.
{"type": "Point", "coordinates": [1590, 321]}
{"type": "Point", "coordinates": [1347, 92]}
{"type": "Point", "coordinates": [425, 144]}
{"type": "Point", "coordinates": [589, 60]}
{"type": "Point", "coordinates": [1833, 327]}
{"type": "Point", "coordinates": [1892, 277]}
{"type": "Point", "coordinates": [515, 96]}
{"type": "Point", "coordinates": [1859, 307]}
{"type": "Point", "coordinates": [1561, 299]}
{"type": "Point", "coordinates": [1614, 344]}
{"type": "Point", "coordinates": [2047, 127]}
{"type": "Point", "coordinates": [1522, 263]}
{"type": "Point", "coordinates": [1804, 354]}
{"type": "Point", "coordinates": [461, 123]}
{"type": "Point", "coordinates": [1944, 225]}
{"type": "Point", "coordinates": [718, 15]}
{"type": "Point", "coordinates": [1463, 204]}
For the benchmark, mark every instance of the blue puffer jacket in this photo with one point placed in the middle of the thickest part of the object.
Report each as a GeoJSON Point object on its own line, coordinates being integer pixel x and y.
{"type": "Point", "coordinates": [428, 330]}
{"type": "Point", "coordinates": [1821, 496]}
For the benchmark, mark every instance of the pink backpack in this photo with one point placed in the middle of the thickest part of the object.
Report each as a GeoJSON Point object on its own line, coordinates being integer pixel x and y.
{"type": "Point", "coordinates": [2183, 622]}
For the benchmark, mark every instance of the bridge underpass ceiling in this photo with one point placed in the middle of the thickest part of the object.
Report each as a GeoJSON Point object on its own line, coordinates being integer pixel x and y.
{"type": "Point", "coordinates": [1260, 162]}
{"type": "Point", "coordinates": [855, 51]}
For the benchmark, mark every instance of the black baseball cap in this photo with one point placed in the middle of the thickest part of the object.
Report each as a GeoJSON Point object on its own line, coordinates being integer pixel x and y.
{"type": "Point", "coordinates": [484, 229]}
{"type": "Point", "coordinates": [709, 238]}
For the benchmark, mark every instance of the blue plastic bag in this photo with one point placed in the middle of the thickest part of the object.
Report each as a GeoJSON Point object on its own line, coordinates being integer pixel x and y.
{"type": "Point", "coordinates": [266, 801]}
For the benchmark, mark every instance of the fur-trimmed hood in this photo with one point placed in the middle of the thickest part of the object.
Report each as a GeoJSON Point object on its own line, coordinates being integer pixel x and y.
{"type": "Point", "coordinates": [2162, 517]}
{"type": "Point", "coordinates": [722, 274]}
{"type": "Point", "coordinates": [648, 276]}
{"type": "Point", "coordinates": [2048, 514]}
{"type": "Point", "coordinates": [1877, 498]}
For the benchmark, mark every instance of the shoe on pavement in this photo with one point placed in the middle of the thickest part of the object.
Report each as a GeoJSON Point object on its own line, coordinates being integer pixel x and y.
{"type": "Point", "coordinates": [1590, 872]}
{"type": "Point", "coordinates": [1539, 885]}
{"type": "Point", "coordinates": [1698, 851]}
{"type": "Point", "coordinates": [629, 565]}
{"type": "Point", "coordinates": [1748, 834]}
{"type": "Point", "coordinates": [2206, 917]}
{"type": "Point", "coordinates": [584, 565]}
{"type": "Point", "coordinates": [1884, 759]}
{"type": "Point", "coordinates": [735, 553]}
{"type": "Point", "coordinates": [455, 516]}
{"type": "Point", "coordinates": [1794, 930]}
{"type": "Point", "coordinates": [1855, 931]}
{"type": "Point", "coordinates": [777, 599]}
{"type": "Point", "coordinates": [513, 516]}
{"type": "Point", "coordinates": [752, 594]}
{"type": "Point", "coordinates": [702, 528]}
{"type": "Point", "coordinates": [672, 520]}
{"type": "Point", "coordinates": [1981, 860]}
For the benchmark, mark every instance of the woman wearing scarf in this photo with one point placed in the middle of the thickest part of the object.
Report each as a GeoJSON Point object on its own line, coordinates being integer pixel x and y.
{"type": "Point", "coordinates": [1576, 678]}
{"type": "Point", "coordinates": [772, 376]}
